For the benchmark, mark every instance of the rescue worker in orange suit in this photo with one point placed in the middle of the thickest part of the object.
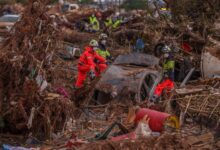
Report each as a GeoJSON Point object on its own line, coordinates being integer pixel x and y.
{"type": "Point", "coordinates": [90, 62]}
{"type": "Point", "coordinates": [168, 75]}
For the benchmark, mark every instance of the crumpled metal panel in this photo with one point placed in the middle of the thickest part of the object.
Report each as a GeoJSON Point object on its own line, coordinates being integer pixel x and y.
{"type": "Point", "coordinates": [123, 78]}
{"type": "Point", "coordinates": [138, 59]}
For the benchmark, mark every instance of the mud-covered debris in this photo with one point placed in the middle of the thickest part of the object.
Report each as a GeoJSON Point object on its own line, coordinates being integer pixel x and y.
{"type": "Point", "coordinates": [25, 61]}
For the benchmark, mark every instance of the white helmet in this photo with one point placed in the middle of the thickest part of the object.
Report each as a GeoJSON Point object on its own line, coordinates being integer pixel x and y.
{"type": "Point", "coordinates": [93, 43]}
{"type": "Point", "coordinates": [103, 36]}
{"type": "Point", "coordinates": [166, 49]}
{"type": "Point", "coordinates": [117, 14]}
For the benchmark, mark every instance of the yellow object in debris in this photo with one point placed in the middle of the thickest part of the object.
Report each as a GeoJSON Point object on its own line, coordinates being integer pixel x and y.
{"type": "Point", "coordinates": [164, 9]}
{"type": "Point", "coordinates": [131, 114]}
{"type": "Point", "coordinates": [52, 96]}
{"type": "Point", "coordinates": [172, 122]}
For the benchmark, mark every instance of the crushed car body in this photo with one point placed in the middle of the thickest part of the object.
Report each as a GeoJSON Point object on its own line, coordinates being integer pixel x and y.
{"type": "Point", "coordinates": [131, 74]}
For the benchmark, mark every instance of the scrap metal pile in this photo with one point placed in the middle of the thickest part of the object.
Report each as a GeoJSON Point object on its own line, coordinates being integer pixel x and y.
{"type": "Point", "coordinates": [26, 104]}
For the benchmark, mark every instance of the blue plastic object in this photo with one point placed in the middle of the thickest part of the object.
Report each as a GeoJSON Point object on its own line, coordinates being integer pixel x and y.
{"type": "Point", "coordinates": [139, 45]}
{"type": "Point", "coordinates": [9, 147]}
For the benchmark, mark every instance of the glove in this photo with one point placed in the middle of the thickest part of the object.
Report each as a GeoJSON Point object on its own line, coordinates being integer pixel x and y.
{"type": "Point", "coordinates": [110, 58]}
{"type": "Point", "coordinates": [96, 61]}
{"type": "Point", "coordinates": [108, 63]}
{"type": "Point", "coordinates": [92, 75]}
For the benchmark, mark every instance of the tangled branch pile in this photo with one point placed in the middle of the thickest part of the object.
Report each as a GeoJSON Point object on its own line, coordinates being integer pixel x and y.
{"type": "Point", "coordinates": [201, 100]}
{"type": "Point", "coordinates": [203, 104]}
{"type": "Point", "coordinates": [195, 9]}
{"type": "Point", "coordinates": [25, 57]}
{"type": "Point", "coordinates": [201, 16]}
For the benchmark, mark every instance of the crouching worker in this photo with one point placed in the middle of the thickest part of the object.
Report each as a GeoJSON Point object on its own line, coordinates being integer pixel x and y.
{"type": "Point", "coordinates": [90, 62]}
{"type": "Point", "coordinates": [167, 83]}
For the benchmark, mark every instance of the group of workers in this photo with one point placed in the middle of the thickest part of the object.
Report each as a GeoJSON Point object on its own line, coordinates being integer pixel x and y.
{"type": "Point", "coordinates": [95, 59]}
{"type": "Point", "coordinates": [95, 22]}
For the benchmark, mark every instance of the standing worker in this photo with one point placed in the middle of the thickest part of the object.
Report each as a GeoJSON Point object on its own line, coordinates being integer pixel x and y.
{"type": "Point", "coordinates": [117, 21]}
{"type": "Point", "coordinates": [90, 62]}
{"type": "Point", "coordinates": [102, 51]}
{"type": "Point", "coordinates": [139, 45]}
{"type": "Point", "coordinates": [168, 74]}
{"type": "Point", "coordinates": [108, 22]}
{"type": "Point", "coordinates": [94, 23]}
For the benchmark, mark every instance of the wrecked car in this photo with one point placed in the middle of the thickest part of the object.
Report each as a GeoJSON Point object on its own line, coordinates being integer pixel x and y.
{"type": "Point", "coordinates": [131, 76]}
{"type": "Point", "coordinates": [7, 22]}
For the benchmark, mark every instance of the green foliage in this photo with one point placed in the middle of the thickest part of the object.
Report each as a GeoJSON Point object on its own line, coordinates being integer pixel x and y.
{"type": "Point", "coordinates": [53, 1]}
{"type": "Point", "coordinates": [3, 2]}
{"type": "Point", "coordinates": [135, 4]}
{"type": "Point", "coordinates": [21, 1]}
{"type": "Point", "coordinates": [86, 1]}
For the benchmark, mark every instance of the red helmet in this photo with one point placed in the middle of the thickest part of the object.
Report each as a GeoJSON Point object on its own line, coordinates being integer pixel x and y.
{"type": "Point", "coordinates": [98, 15]}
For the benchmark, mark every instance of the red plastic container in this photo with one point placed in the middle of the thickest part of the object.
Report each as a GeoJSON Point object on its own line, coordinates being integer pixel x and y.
{"type": "Point", "coordinates": [157, 119]}
{"type": "Point", "coordinates": [131, 136]}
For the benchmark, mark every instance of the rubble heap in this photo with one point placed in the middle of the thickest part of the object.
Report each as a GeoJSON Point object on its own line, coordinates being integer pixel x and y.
{"type": "Point", "coordinates": [25, 58]}
{"type": "Point", "coordinates": [196, 10]}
